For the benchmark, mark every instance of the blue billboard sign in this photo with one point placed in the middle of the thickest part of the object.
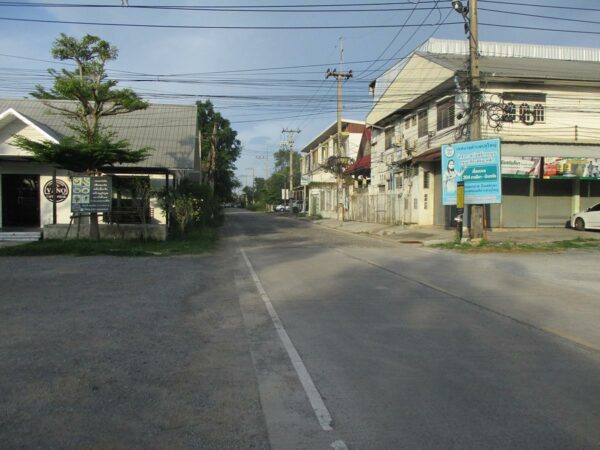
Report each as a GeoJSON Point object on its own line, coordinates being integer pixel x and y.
{"type": "Point", "coordinates": [477, 163]}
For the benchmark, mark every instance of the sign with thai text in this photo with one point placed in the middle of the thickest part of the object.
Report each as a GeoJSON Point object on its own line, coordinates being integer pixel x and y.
{"type": "Point", "coordinates": [91, 194]}
{"type": "Point", "coordinates": [583, 168]}
{"type": "Point", "coordinates": [477, 163]}
{"type": "Point", "coordinates": [521, 166]}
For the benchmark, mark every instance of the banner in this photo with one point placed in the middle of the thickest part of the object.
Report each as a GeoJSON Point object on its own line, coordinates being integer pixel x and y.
{"type": "Point", "coordinates": [477, 163]}
{"type": "Point", "coordinates": [91, 194]}
{"type": "Point", "coordinates": [521, 166]}
{"type": "Point", "coordinates": [584, 168]}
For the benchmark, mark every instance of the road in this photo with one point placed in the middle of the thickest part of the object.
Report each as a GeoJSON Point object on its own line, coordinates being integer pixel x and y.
{"type": "Point", "coordinates": [417, 348]}
{"type": "Point", "coordinates": [295, 336]}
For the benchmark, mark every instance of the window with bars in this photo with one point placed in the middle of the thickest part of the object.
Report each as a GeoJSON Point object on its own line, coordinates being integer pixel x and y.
{"type": "Point", "coordinates": [445, 114]}
{"type": "Point", "coordinates": [423, 125]}
{"type": "Point", "coordinates": [389, 137]}
{"type": "Point", "coordinates": [426, 179]}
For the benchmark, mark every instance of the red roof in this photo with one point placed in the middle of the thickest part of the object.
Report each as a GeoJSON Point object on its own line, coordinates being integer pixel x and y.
{"type": "Point", "coordinates": [362, 163]}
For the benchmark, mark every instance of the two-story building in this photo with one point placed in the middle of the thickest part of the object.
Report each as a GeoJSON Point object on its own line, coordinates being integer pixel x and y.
{"type": "Point", "coordinates": [543, 102]}
{"type": "Point", "coordinates": [324, 196]}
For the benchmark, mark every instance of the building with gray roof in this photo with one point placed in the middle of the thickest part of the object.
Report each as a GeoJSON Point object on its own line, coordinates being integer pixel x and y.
{"type": "Point", "coordinates": [170, 131]}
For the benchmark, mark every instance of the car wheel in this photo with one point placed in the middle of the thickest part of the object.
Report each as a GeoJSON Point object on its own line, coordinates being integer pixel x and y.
{"type": "Point", "coordinates": [579, 224]}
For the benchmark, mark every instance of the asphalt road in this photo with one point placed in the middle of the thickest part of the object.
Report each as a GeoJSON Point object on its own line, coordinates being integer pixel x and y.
{"type": "Point", "coordinates": [293, 336]}
{"type": "Point", "coordinates": [418, 348]}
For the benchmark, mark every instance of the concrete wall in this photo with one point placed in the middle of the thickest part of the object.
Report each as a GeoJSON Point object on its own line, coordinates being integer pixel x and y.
{"type": "Point", "coordinates": [125, 231]}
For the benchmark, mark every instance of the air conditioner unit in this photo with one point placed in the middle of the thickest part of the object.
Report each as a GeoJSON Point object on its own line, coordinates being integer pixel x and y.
{"type": "Point", "coordinates": [410, 145]}
{"type": "Point", "coordinates": [397, 140]}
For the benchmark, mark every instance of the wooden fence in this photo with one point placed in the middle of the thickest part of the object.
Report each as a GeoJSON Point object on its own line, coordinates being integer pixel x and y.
{"type": "Point", "coordinates": [379, 208]}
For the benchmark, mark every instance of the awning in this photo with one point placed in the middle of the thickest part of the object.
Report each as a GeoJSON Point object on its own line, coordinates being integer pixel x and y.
{"type": "Point", "coordinates": [430, 155]}
{"type": "Point", "coordinates": [360, 164]}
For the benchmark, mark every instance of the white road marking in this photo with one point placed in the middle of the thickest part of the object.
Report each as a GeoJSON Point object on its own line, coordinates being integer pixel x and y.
{"type": "Point", "coordinates": [312, 393]}
{"type": "Point", "coordinates": [339, 445]}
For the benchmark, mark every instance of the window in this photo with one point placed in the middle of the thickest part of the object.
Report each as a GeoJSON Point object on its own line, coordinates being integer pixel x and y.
{"type": "Point", "coordinates": [416, 203]}
{"type": "Point", "coordinates": [324, 152]}
{"type": "Point", "coordinates": [445, 114]}
{"type": "Point", "coordinates": [407, 122]}
{"type": "Point", "coordinates": [389, 135]}
{"type": "Point", "coordinates": [425, 201]}
{"type": "Point", "coordinates": [413, 121]}
{"type": "Point", "coordinates": [426, 179]}
{"type": "Point", "coordinates": [423, 129]}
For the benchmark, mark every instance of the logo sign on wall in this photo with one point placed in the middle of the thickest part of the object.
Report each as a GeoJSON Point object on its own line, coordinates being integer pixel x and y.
{"type": "Point", "coordinates": [477, 163]}
{"type": "Point", "coordinates": [62, 191]}
{"type": "Point", "coordinates": [91, 194]}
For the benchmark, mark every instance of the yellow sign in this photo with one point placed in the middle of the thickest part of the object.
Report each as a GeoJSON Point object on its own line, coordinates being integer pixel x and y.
{"type": "Point", "coordinates": [460, 195]}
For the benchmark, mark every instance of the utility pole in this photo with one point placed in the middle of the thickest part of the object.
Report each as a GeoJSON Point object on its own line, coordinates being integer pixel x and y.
{"type": "Point", "coordinates": [339, 76]}
{"type": "Point", "coordinates": [474, 69]}
{"type": "Point", "coordinates": [290, 145]}
{"type": "Point", "coordinates": [471, 27]}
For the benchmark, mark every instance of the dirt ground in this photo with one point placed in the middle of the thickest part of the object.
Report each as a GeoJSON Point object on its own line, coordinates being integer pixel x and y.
{"type": "Point", "coordinates": [107, 352]}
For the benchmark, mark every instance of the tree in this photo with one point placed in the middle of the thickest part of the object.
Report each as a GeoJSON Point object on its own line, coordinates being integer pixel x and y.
{"type": "Point", "coordinates": [93, 96]}
{"type": "Point", "coordinates": [227, 150]}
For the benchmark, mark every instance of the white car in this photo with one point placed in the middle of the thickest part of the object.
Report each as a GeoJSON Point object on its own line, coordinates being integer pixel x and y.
{"type": "Point", "coordinates": [588, 219]}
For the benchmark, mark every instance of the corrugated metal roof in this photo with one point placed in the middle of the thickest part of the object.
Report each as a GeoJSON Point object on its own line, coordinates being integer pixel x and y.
{"type": "Point", "coordinates": [511, 50]}
{"type": "Point", "coordinates": [519, 67]}
{"type": "Point", "coordinates": [170, 130]}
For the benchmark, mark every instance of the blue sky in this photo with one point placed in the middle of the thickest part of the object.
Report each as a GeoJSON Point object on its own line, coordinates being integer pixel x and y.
{"type": "Point", "coordinates": [183, 65]}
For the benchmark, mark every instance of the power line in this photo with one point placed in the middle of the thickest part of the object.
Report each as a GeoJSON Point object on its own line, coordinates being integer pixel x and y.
{"type": "Point", "coordinates": [217, 27]}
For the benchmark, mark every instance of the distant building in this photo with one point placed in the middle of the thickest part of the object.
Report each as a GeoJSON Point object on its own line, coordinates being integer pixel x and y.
{"type": "Point", "coordinates": [323, 196]}
{"type": "Point", "coordinates": [543, 102]}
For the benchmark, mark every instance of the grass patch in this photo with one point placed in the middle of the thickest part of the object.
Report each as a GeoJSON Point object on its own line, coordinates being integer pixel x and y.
{"type": "Point", "coordinates": [505, 247]}
{"type": "Point", "coordinates": [196, 241]}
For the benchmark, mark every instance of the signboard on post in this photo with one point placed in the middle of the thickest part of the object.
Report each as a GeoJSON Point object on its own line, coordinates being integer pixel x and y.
{"type": "Point", "coordinates": [477, 163]}
{"type": "Point", "coordinates": [91, 195]}
{"type": "Point", "coordinates": [285, 194]}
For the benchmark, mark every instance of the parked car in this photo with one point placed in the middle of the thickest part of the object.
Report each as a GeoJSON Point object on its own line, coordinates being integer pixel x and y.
{"type": "Point", "coordinates": [279, 208]}
{"type": "Point", "coordinates": [296, 206]}
{"type": "Point", "coordinates": [588, 219]}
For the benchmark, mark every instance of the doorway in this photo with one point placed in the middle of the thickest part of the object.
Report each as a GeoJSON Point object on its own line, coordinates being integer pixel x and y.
{"type": "Point", "coordinates": [21, 201]}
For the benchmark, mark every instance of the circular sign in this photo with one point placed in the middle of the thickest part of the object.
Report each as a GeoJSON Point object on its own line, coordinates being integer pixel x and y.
{"type": "Point", "coordinates": [62, 191]}
{"type": "Point", "coordinates": [449, 151]}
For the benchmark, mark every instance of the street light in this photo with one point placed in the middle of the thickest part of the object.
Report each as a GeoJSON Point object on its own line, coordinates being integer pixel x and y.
{"type": "Point", "coordinates": [458, 6]}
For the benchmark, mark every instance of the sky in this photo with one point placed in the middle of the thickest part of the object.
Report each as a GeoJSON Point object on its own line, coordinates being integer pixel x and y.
{"type": "Point", "coordinates": [263, 63]}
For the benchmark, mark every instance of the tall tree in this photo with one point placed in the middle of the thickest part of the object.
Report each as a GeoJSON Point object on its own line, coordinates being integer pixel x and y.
{"type": "Point", "coordinates": [93, 96]}
{"type": "Point", "coordinates": [227, 150]}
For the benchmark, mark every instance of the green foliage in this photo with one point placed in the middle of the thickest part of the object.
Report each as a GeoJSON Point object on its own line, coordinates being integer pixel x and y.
{"type": "Point", "coordinates": [484, 246]}
{"type": "Point", "coordinates": [77, 156]}
{"type": "Point", "coordinates": [93, 97]}
{"type": "Point", "coordinates": [196, 241]}
{"type": "Point", "coordinates": [269, 191]}
{"type": "Point", "coordinates": [228, 149]}
{"type": "Point", "coordinates": [191, 204]}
